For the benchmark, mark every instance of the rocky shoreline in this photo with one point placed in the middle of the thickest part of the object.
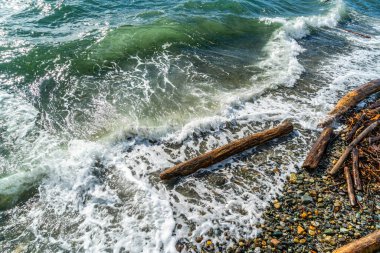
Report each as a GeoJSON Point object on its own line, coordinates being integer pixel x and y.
{"type": "Point", "coordinates": [313, 214]}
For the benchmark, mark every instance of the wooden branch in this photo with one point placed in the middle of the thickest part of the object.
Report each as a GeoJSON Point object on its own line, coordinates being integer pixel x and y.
{"type": "Point", "coordinates": [358, 124]}
{"type": "Point", "coordinates": [367, 244]}
{"type": "Point", "coordinates": [316, 152]}
{"type": "Point", "coordinates": [372, 140]}
{"type": "Point", "coordinates": [221, 153]}
{"type": "Point", "coordinates": [350, 186]}
{"type": "Point", "coordinates": [356, 141]}
{"type": "Point", "coordinates": [355, 170]}
{"type": "Point", "coordinates": [351, 99]}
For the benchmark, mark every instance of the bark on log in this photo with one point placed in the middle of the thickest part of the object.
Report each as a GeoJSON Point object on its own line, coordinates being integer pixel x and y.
{"type": "Point", "coordinates": [350, 186]}
{"type": "Point", "coordinates": [367, 244]}
{"type": "Point", "coordinates": [221, 153]}
{"type": "Point", "coordinates": [349, 148]}
{"type": "Point", "coordinates": [316, 152]}
{"type": "Point", "coordinates": [355, 170]}
{"type": "Point", "coordinates": [351, 99]}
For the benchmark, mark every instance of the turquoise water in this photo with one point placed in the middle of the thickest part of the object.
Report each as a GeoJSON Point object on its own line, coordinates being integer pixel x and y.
{"type": "Point", "coordinates": [98, 97]}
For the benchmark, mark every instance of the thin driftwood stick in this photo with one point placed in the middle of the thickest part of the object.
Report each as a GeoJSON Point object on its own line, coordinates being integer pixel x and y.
{"type": "Point", "coordinates": [316, 152]}
{"type": "Point", "coordinates": [367, 244]}
{"type": "Point", "coordinates": [221, 153]}
{"type": "Point", "coordinates": [351, 99]}
{"type": "Point", "coordinates": [350, 186]}
{"type": "Point", "coordinates": [355, 170]}
{"type": "Point", "coordinates": [351, 134]}
{"type": "Point", "coordinates": [355, 142]}
{"type": "Point", "coordinates": [372, 140]}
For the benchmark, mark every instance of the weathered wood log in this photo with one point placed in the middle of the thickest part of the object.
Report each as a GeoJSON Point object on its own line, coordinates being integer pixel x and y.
{"type": "Point", "coordinates": [367, 244]}
{"type": "Point", "coordinates": [316, 152]}
{"type": "Point", "coordinates": [351, 99]}
{"type": "Point", "coordinates": [350, 186]}
{"type": "Point", "coordinates": [355, 170]}
{"type": "Point", "coordinates": [349, 148]}
{"type": "Point", "coordinates": [221, 153]}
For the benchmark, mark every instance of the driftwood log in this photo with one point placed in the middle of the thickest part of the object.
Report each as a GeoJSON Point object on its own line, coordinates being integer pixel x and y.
{"type": "Point", "coordinates": [367, 244]}
{"type": "Point", "coordinates": [351, 99]}
{"type": "Point", "coordinates": [315, 154]}
{"type": "Point", "coordinates": [350, 186]}
{"type": "Point", "coordinates": [349, 148]}
{"type": "Point", "coordinates": [221, 153]}
{"type": "Point", "coordinates": [355, 170]}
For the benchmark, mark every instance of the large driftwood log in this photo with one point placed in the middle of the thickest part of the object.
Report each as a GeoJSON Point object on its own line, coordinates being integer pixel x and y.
{"type": "Point", "coordinates": [349, 148]}
{"type": "Point", "coordinates": [351, 99]}
{"type": "Point", "coordinates": [221, 153]}
{"type": "Point", "coordinates": [367, 244]}
{"type": "Point", "coordinates": [355, 170]}
{"type": "Point", "coordinates": [350, 186]}
{"type": "Point", "coordinates": [317, 150]}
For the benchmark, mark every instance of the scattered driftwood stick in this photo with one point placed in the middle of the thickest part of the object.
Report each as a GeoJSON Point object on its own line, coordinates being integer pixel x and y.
{"type": "Point", "coordinates": [358, 34]}
{"type": "Point", "coordinates": [316, 152]}
{"type": "Point", "coordinates": [367, 244]}
{"type": "Point", "coordinates": [355, 170]}
{"type": "Point", "coordinates": [374, 105]}
{"type": "Point", "coordinates": [349, 148]}
{"type": "Point", "coordinates": [355, 128]}
{"type": "Point", "coordinates": [350, 186]}
{"type": "Point", "coordinates": [221, 153]}
{"type": "Point", "coordinates": [372, 140]}
{"type": "Point", "coordinates": [351, 99]}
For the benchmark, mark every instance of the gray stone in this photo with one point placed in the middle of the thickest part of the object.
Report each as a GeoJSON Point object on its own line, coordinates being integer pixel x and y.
{"type": "Point", "coordinates": [306, 199]}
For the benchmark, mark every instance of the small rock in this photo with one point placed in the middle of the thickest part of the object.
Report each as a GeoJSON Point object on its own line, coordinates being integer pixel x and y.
{"type": "Point", "coordinates": [293, 178]}
{"type": "Point", "coordinates": [277, 205]}
{"type": "Point", "coordinates": [303, 215]}
{"type": "Point", "coordinates": [300, 230]}
{"type": "Point", "coordinates": [306, 199]}
{"type": "Point", "coordinates": [199, 239]}
{"type": "Point", "coordinates": [303, 240]}
{"type": "Point", "coordinates": [312, 232]}
{"type": "Point", "coordinates": [329, 231]}
{"type": "Point", "coordinates": [277, 234]}
{"type": "Point", "coordinates": [274, 242]}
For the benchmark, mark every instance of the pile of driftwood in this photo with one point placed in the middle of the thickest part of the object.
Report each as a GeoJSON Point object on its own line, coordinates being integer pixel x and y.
{"type": "Point", "coordinates": [361, 158]}
{"type": "Point", "coordinates": [360, 161]}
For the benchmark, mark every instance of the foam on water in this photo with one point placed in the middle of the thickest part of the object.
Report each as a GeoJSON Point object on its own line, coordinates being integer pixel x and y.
{"type": "Point", "coordinates": [105, 195]}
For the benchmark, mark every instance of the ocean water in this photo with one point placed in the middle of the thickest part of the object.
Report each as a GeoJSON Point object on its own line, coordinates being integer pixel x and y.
{"type": "Point", "coordinates": [98, 97]}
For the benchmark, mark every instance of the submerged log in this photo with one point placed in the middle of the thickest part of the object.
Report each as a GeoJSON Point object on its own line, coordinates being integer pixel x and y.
{"type": "Point", "coordinates": [349, 148]}
{"type": "Point", "coordinates": [315, 154]}
{"type": "Point", "coordinates": [367, 244]}
{"type": "Point", "coordinates": [350, 186]}
{"type": "Point", "coordinates": [221, 153]}
{"type": "Point", "coordinates": [351, 99]}
{"type": "Point", "coordinates": [355, 170]}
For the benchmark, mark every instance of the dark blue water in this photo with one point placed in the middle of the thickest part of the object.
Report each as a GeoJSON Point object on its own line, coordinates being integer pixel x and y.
{"type": "Point", "coordinates": [98, 97]}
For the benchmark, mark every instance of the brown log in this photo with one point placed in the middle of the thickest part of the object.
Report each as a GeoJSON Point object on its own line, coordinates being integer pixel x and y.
{"type": "Point", "coordinates": [350, 186]}
{"type": "Point", "coordinates": [355, 170]}
{"type": "Point", "coordinates": [221, 153]}
{"type": "Point", "coordinates": [351, 99]}
{"type": "Point", "coordinates": [349, 148]}
{"type": "Point", "coordinates": [367, 244]}
{"type": "Point", "coordinates": [316, 152]}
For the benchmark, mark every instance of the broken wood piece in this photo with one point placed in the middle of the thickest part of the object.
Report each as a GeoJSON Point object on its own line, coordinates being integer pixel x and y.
{"type": "Point", "coordinates": [221, 153]}
{"type": "Point", "coordinates": [355, 169]}
{"type": "Point", "coordinates": [349, 148]}
{"type": "Point", "coordinates": [367, 244]}
{"type": "Point", "coordinates": [316, 152]}
{"type": "Point", "coordinates": [374, 105]}
{"type": "Point", "coordinates": [350, 186]}
{"type": "Point", "coordinates": [351, 99]}
{"type": "Point", "coordinates": [372, 140]}
{"type": "Point", "coordinates": [358, 124]}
